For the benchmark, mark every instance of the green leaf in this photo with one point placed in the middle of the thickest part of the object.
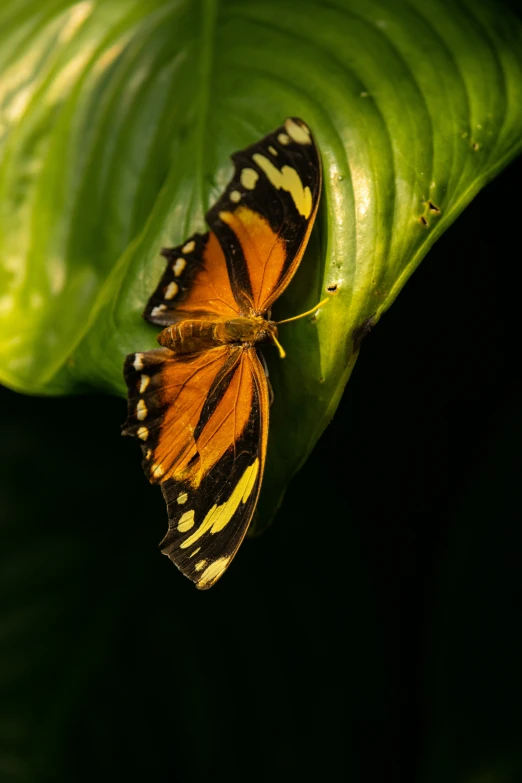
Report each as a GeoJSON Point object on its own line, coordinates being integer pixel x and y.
{"type": "Point", "coordinates": [118, 120]}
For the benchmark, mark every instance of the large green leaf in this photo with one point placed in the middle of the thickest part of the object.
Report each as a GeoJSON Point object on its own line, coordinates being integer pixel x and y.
{"type": "Point", "coordinates": [118, 119]}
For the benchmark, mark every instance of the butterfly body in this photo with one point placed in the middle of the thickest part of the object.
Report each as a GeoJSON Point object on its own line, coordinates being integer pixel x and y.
{"type": "Point", "coordinates": [194, 336]}
{"type": "Point", "coordinates": [199, 405]}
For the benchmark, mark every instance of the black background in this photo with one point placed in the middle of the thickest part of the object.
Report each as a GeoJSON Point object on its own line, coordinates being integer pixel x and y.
{"type": "Point", "coordinates": [373, 633]}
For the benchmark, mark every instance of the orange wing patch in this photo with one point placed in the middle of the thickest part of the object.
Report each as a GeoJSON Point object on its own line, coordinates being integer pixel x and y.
{"type": "Point", "coordinates": [195, 284]}
{"type": "Point", "coordinates": [166, 397]}
{"type": "Point", "coordinates": [264, 251]}
{"type": "Point", "coordinates": [210, 290]}
{"type": "Point", "coordinates": [226, 424]}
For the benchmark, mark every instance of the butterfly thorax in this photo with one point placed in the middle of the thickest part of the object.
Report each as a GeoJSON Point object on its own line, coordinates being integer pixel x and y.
{"type": "Point", "coordinates": [191, 336]}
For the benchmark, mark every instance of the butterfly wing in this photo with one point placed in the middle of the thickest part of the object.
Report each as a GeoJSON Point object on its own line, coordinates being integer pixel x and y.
{"type": "Point", "coordinates": [264, 218]}
{"type": "Point", "coordinates": [259, 230]}
{"type": "Point", "coordinates": [206, 427]}
{"type": "Point", "coordinates": [194, 285]}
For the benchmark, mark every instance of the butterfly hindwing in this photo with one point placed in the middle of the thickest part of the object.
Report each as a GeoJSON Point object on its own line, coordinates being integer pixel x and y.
{"type": "Point", "coordinates": [265, 215]}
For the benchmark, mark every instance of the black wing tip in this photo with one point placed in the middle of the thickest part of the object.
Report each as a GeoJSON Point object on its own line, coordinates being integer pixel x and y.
{"type": "Point", "coordinates": [210, 573]}
{"type": "Point", "coordinates": [298, 121]}
{"type": "Point", "coordinates": [178, 250]}
{"type": "Point", "coordinates": [298, 132]}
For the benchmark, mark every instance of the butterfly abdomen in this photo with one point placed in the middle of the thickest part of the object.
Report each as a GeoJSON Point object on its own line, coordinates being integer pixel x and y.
{"type": "Point", "coordinates": [191, 336]}
{"type": "Point", "coordinates": [194, 336]}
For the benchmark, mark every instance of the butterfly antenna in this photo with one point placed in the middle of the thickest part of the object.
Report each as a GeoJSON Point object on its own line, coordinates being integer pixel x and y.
{"type": "Point", "coordinates": [308, 312]}
{"type": "Point", "coordinates": [282, 352]}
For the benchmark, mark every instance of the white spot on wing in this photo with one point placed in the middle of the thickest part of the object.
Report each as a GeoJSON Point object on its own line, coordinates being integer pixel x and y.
{"type": "Point", "coordinates": [156, 470]}
{"type": "Point", "coordinates": [179, 266]}
{"type": "Point", "coordinates": [158, 310]}
{"type": "Point", "coordinates": [172, 290]}
{"type": "Point", "coordinates": [141, 410]}
{"type": "Point", "coordinates": [138, 361]}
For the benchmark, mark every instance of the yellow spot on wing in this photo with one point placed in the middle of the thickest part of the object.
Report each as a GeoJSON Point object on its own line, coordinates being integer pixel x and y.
{"type": "Point", "coordinates": [219, 516]}
{"type": "Point", "coordinates": [235, 196]}
{"type": "Point", "coordinates": [213, 572]}
{"type": "Point", "coordinates": [249, 178]}
{"type": "Point", "coordinates": [186, 521]}
{"type": "Point", "coordinates": [300, 133]}
{"type": "Point", "coordinates": [172, 290]}
{"type": "Point", "coordinates": [254, 469]}
{"type": "Point", "coordinates": [272, 150]}
{"type": "Point", "coordinates": [179, 266]}
{"type": "Point", "coordinates": [141, 410]}
{"type": "Point", "coordinates": [195, 552]}
{"type": "Point", "coordinates": [283, 139]}
{"type": "Point", "coordinates": [189, 247]}
{"type": "Point", "coordinates": [200, 565]}
{"type": "Point", "coordinates": [144, 382]}
{"type": "Point", "coordinates": [287, 179]}
{"type": "Point", "coordinates": [182, 498]}
{"type": "Point", "coordinates": [138, 361]}
{"type": "Point", "coordinates": [143, 433]}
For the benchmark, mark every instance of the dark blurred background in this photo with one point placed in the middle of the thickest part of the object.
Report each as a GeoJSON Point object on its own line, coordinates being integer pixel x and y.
{"type": "Point", "coordinates": [372, 634]}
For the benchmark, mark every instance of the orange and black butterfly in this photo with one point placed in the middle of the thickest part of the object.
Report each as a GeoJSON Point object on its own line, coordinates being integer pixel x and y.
{"type": "Point", "coordinates": [199, 405]}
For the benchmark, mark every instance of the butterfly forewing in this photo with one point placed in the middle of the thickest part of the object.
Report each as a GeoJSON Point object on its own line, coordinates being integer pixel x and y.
{"type": "Point", "coordinates": [264, 217]}
{"type": "Point", "coordinates": [208, 521]}
{"type": "Point", "coordinates": [260, 227]}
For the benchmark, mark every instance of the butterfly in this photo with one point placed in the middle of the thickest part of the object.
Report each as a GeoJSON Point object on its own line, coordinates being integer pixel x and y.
{"type": "Point", "coordinates": [199, 405]}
